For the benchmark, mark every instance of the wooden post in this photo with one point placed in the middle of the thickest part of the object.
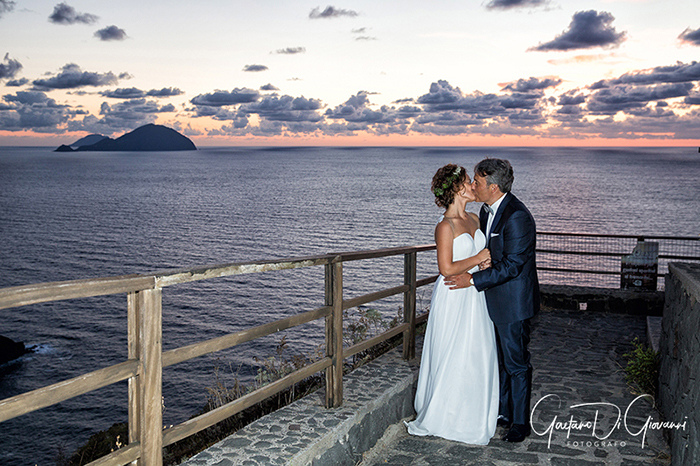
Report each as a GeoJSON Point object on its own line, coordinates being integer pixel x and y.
{"type": "Point", "coordinates": [334, 334]}
{"type": "Point", "coordinates": [151, 377]}
{"type": "Point", "coordinates": [409, 305]}
{"type": "Point", "coordinates": [133, 331]}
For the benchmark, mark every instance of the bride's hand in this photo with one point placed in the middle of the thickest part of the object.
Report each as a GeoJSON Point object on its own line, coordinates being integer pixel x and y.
{"type": "Point", "coordinates": [485, 264]}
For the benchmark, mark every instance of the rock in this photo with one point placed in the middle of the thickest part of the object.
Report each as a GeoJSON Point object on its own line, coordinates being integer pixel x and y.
{"type": "Point", "coordinates": [10, 350]}
{"type": "Point", "coordinates": [88, 140]}
{"type": "Point", "coordinates": [146, 138]}
{"type": "Point", "coordinates": [64, 148]}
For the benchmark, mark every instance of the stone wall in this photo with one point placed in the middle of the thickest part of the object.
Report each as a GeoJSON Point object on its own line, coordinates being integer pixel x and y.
{"type": "Point", "coordinates": [679, 372]}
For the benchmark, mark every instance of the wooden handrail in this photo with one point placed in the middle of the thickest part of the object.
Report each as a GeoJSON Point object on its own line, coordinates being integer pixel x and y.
{"type": "Point", "coordinates": [146, 360]}
{"type": "Point", "coordinates": [61, 391]}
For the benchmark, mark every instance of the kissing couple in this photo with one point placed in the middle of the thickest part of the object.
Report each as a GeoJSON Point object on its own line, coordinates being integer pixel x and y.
{"type": "Point", "coordinates": [475, 370]}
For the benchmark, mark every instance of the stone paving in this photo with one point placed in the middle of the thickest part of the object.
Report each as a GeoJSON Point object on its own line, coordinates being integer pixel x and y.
{"type": "Point", "coordinates": [578, 359]}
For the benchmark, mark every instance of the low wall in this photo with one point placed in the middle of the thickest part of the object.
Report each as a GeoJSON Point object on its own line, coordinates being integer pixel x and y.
{"type": "Point", "coordinates": [305, 433]}
{"type": "Point", "coordinates": [566, 297]}
{"type": "Point", "coordinates": [679, 371]}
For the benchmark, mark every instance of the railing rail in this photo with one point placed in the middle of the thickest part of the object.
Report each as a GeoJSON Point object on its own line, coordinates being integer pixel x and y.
{"type": "Point", "coordinates": [146, 360]}
{"type": "Point", "coordinates": [590, 259]}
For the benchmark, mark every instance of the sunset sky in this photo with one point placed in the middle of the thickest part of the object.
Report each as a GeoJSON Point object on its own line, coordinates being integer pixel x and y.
{"type": "Point", "coordinates": [469, 72]}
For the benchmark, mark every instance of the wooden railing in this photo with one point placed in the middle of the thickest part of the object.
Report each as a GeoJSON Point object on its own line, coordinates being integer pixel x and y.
{"type": "Point", "coordinates": [144, 367]}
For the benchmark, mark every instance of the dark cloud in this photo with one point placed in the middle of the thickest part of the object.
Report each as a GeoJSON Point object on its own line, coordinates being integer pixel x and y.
{"type": "Point", "coordinates": [72, 77]}
{"type": "Point", "coordinates": [268, 87]}
{"type": "Point", "coordinates": [588, 29]}
{"type": "Point", "coordinates": [365, 38]}
{"type": "Point", "coordinates": [111, 33]}
{"type": "Point", "coordinates": [32, 110]}
{"type": "Point", "coordinates": [291, 51]}
{"type": "Point", "coordinates": [444, 97]}
{"type": "Point", "coordinates": [9, 68]}
{"type": "Point", "coordinates": [66, 14]}
{"type": "Point", "coordinates": [508, 4]}
{"type": "Point", "coordinates": [222, 98]}
{"type": "Point", "coordinates": [17, 82]}
{"type": "Point", "coordinates": [678, 73]}
{"type": "Point", "coordinates": [285, 108]}
{"type": "Point", "coordinates": [6, 6]}
{"type": "Point", "coordinates": [165, 92]}
{"type": "Point", "coordinates": [124, 93]}
{"type": "Point", "coordinates": [255, 68]}
{"type": "Point", "coordinates": [625, 97]}
{"type": "Point", "coordinates": [134, 93]}
{"type": "Point", "coordinates": [531, 84]}
{"type": "Point", "coordinates": [690, 36]}
{"type": "Point", "coordinates": [331, 12]}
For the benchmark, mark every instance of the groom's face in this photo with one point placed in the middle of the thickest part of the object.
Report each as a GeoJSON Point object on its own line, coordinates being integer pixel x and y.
{"type": "Point", "coordinates": [481, 189]}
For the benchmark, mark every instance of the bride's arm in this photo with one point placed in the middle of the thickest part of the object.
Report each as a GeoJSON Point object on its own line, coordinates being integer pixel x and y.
{"type": "Point", "coordinates": [447, 267]}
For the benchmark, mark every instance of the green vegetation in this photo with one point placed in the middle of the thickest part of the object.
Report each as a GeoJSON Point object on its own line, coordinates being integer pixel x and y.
{"type": "Point", "coordinates": [642, 370]}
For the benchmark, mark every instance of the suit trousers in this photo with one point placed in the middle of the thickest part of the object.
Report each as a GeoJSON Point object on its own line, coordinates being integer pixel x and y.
{"type": "Point", "coordinates": [515, 371]}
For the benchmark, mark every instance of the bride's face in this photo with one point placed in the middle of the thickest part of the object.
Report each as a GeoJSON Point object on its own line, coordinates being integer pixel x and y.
{"type": "Point", "coordinates": [466, 191]}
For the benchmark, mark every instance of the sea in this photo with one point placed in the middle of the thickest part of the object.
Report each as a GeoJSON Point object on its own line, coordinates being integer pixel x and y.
{"type": "Point", "coordinates": [68, 216]}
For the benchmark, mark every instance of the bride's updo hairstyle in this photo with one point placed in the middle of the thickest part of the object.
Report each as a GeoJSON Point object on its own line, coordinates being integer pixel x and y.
{"type": "Point", "coordinates": [447, 182]}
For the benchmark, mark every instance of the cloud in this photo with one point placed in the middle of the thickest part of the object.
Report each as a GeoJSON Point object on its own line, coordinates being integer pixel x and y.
{"type": "Point", "coordinates": [255, 68]}
{"type": "Point", "coordinates": [165, 92]}
{"type": "Point", "coordinates": [290, 51]}
{"type": "Point", "coordinates": [690, 36]}
{"type": "Point", "coordinates": [508, 4]}
{"type": "Point", "coordinates": [268, 87]}
{"type": "Point", "coordinates": [222, 98]}
{"type": "Point", "coordinates": [331, 12]}
{"type": "Point", "coordinates": [66, 14]}
{"type": "Point", "coordinates": [678, 73]}
{"type": "Point", "coordinates": [9, 68]}
{"type": "Point", "coordinates": [365, 38]}
{"type": "Point", "coordinates": [134, 93]}
{"type": "Point", "coordinates": [531, 84]}
{"type": "Point", "coordinates": [111, 33]}
{"type": "Point", "coordinates": [16, 82]}
{"type": "Point", "coordinates": [587, 29]}
{"type": "Point", "coordinates": [123, 93]}
{"type": "Point", "coordinates": [285, 108]}
{"type": "Point", "coordinates": [72, 77]}
{"type": "Point", "coordinates": [32, 110]}
{"type": "Point", "coordinates": [6, 6]}
{"type": "Point", "coordinates": [625, 97]}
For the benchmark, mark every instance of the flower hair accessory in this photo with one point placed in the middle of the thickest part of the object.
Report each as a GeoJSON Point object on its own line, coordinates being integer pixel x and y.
{"type": "Point", "coordinates": [439, 191]}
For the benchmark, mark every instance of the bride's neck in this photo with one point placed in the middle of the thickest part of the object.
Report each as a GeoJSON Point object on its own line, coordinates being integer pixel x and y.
{"type": "Point", "coordinates": [456, 209]}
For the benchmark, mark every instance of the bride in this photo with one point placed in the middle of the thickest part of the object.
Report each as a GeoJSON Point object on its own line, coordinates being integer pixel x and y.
{"type": "Point", "coordinates": [457, 394]}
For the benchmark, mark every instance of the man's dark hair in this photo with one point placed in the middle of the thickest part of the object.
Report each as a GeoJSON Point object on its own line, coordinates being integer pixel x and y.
{"type": "Point", "coordinates": [496, 171]}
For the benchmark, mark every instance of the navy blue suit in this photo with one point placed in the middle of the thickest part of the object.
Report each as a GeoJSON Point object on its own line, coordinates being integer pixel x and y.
{"type": "Point", "coordinates": [512, 297]}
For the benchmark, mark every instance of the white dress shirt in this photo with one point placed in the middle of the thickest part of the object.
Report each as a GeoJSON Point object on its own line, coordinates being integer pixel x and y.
{"type": "Point", "coordinates": [492, 215]}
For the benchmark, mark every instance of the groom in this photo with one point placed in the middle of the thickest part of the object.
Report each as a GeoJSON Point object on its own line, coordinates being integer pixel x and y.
{"type": "Point", "coordinates": [510, 286]}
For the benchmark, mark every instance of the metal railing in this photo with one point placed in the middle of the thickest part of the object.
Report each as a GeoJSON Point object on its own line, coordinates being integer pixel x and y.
{"type": "Point", "coordinates": [593, 260]}
{"type": "Point", "coordinates": [144, 366]}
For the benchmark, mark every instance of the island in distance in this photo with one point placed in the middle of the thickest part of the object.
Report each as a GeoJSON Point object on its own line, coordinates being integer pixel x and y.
{"type": "Point", "coordinates": [145, 138]}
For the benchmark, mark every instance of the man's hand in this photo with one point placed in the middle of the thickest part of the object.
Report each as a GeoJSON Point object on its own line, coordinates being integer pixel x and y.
{"type": "Point", "coordinates": [458, 281]}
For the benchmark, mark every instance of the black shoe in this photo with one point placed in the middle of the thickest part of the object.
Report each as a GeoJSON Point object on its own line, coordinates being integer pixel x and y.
{"type": "Point", "coordinates": [503, 421]}
{"type": "Point", "coordinates": [517, 433]}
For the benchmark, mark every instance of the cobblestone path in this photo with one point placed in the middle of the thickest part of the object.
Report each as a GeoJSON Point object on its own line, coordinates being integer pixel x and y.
{"type": "Point", "coordinates": [578, 359]}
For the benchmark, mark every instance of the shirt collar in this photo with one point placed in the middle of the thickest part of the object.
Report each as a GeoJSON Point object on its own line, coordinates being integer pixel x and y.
{"type": "Point", "coordinates": [497, 204]}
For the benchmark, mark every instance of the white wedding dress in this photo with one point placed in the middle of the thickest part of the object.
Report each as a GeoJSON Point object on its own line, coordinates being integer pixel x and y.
{"type": "Point", "coordinates": [457, 394]}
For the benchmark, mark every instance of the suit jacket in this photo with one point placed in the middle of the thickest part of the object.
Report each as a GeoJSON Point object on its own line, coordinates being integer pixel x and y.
{"type": "Point", "coordinates": [510, 284]}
